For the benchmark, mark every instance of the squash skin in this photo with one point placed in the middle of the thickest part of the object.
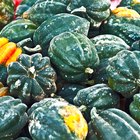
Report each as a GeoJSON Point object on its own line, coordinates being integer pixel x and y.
{"type": "Point", "coordinates": [69, 91]}
{"type": "Point", "coordinates": [123, 71]}
{"type": "Point", "coordinates": [3, 74]}
{"type": "Point", "coordinates": [31, 78]}
{"type": "Point", "coordinates": [23, 138]}
{"type": "Point", "coordinates": [18, 30]}
{"type": "Point", "coordinates": [113, 124]}
{"type": "Point", "coordinates": [100, 96]}
{"type": "Point", "coordinates": [123, 27]}
{"type": "Point", "coordinates": [54, 116]}
{"type": "Point", "coordinates": [15, 117]}
{"type": "Point", "coordinates": [76, 59]}
{"type": "Point", "coordinates": [40, 12]}
{"type": "Point", "coordinates": [135, 107]}
{"type": "Point", "coordinates": [58, 24]}
{"type": "Point", "coordinates": [6, 12]}
{"type": "Point", "coordinates": [93, 10]}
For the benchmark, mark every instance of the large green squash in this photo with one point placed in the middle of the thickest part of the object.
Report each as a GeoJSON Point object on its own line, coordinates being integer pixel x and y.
{"type": "Point", "coordinates": [107, 46]}
{"type": "Point", "coordinates": [74, 56]}
{"type": "Point", "coordinates": [95, 11]}
{"type": "Point", "coordinates": [58, 24]}
{"type": "Point", "coordinates": [13, 117]}
{"type": "Point", "coordinates": [18, 30]}
{"type": "Point", "coordinates": [133, 4]}
{"type": "Point", "coordinates": [100, 96]}
{"type": "Point", "coordinates": [135, 107]}
{"type": "Point", "coordinates": [124, 72]}
{"type": "Point", "coordinates": [6, 12]}
{"type": "Point", "coordinates": [124, 23]}
{"type": "Point", "coordinates": [113, 124]}
{"type": "Point", "coordinates": [41, 11]}
{"type": "Point", "coordinates": [31, 78]}
{"type": "Point", "coordinates": [56, 119]}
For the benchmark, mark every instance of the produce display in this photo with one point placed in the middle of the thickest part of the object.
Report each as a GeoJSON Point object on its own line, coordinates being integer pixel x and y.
{"type": "Point", "coordinates": [69, 69]}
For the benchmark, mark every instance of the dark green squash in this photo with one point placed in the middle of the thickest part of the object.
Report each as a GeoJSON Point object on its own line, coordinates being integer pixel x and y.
{"type": "Point", "coordinates": [135, 46]}
{"type": "Point", "coordinates": [69, 91]}
{"type": "Point", "coordinates": [6, 12]}
{"type": "Point", "coordinates": [18, 30]}
{"type": "Point", "coordinates": [74, 56]}
{"type": "Point", "coordinates": [13, 117]}
{"type": "Point", "coordinates": [31, 78]}
{"type": "Point", "coordinates": [58, 24]}
{"type": "Point", "coordinates": [95, 11]}
{"type": "Point", "coordinates": [100, 96]}
{"type": "Point", "coordinates": [133, 4]}
{"type": "Point", "coordinates": [123, 71]}
{"type": "Point", "coordinates": [56, 119]}
{"type": "Point", "coordinates": [124, 23]}
{"type": "Point", "coordinates": [113, 124]}
{"type": "Point", "coordinates": [41, 11]}
{"type": "Point", "coordinates": [107, 46]}
{"type": "Point", "coordinates": [135, 107]}
{"type": "Point", "coordinates": [66, 2]}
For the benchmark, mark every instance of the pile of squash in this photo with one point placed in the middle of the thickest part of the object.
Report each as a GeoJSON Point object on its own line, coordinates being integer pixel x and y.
{"type": "Point", "coordinates": [69, 70]}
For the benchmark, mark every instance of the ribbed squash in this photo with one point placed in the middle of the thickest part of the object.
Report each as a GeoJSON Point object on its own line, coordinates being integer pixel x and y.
{"type": "Point", "coordinates": [124, 23]}
{"type": "Point", "coordinates": [133, 4]}
{"type": "Point", "coordinates": [9, 52]}
{"type": "Point", "coordinates": [100, 96]}
{"type": "Point", "coordinates": [135, 107]}
{"type": "Point", "coordinates": [74, 56]}
{"type": "Point", "coordinates": [31, 78]}
{"type": "Point", "coordinates": [56, 25]}
{"type": "Point", "coordinates": [13, 117]}
{"type": "Point", "coordinates": [95, 11]}
{"type": "Point", "coordinates": [107, 46]}
{"type": "Point", "coordinates": [3, 90]}
{"type": "Point", "coordinates": [124, 72]}
{"type": "Point", "coordinates": [18, 30]}
{"type": "Point", "coordinates": [112, 124]}
{"type": "Point", "coordinates": [6, 12]}
{"type": "Point", "coordinates": [41, 11]}
{"type": "Point", "coordinates": [56, 119]}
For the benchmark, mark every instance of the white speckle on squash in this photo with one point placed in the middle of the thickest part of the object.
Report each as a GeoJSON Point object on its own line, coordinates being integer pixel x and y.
{"type": "Point", "coordinates": [17, 83]}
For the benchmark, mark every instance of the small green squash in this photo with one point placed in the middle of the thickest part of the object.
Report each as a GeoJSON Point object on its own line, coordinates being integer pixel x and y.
{"type": "Point", "coordinates": [41, 11]}
{"type": "Point", "coordinates": [74, 56]}
{"type": "Point", "coordinates": [135, 107]}
{"type": "Point", "coordinates": [95, 11]}
{"type": "Point", "coordinates": [123, 72]}
{"type": "Point", "coordinates": [107, 46]}
{"type": "Point", "coordinates": [58, 24]}
{"type": "Point", "coordinates": [31, 78]}
{"type": "Point", "coordinates": [112, 124]}
{"type": "Point", "coordinates": [124, 23]}
{"type": "Point", "coordinates": [100, 96]}
{"type": "Point", "coordinates": [13, 117]}
{"type": "Point", "coordinates": [18, 30]}
{"type": "Point", "coordinates": [56, 119]}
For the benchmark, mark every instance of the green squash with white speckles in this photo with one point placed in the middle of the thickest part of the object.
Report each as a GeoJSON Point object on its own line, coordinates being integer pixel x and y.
{"type": "Point", "coordinates": [74, 56]}
{"type": "Point", "coordinates": [124, 72]}
{"type": "Point", "coordinates": [56, 119]}
{"type": "Point", "coordinates": [95, 11]}
{"type": "Point", "coordinates": [13, 117]}
{"type": "Point", "coordinates": [31, 78]}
